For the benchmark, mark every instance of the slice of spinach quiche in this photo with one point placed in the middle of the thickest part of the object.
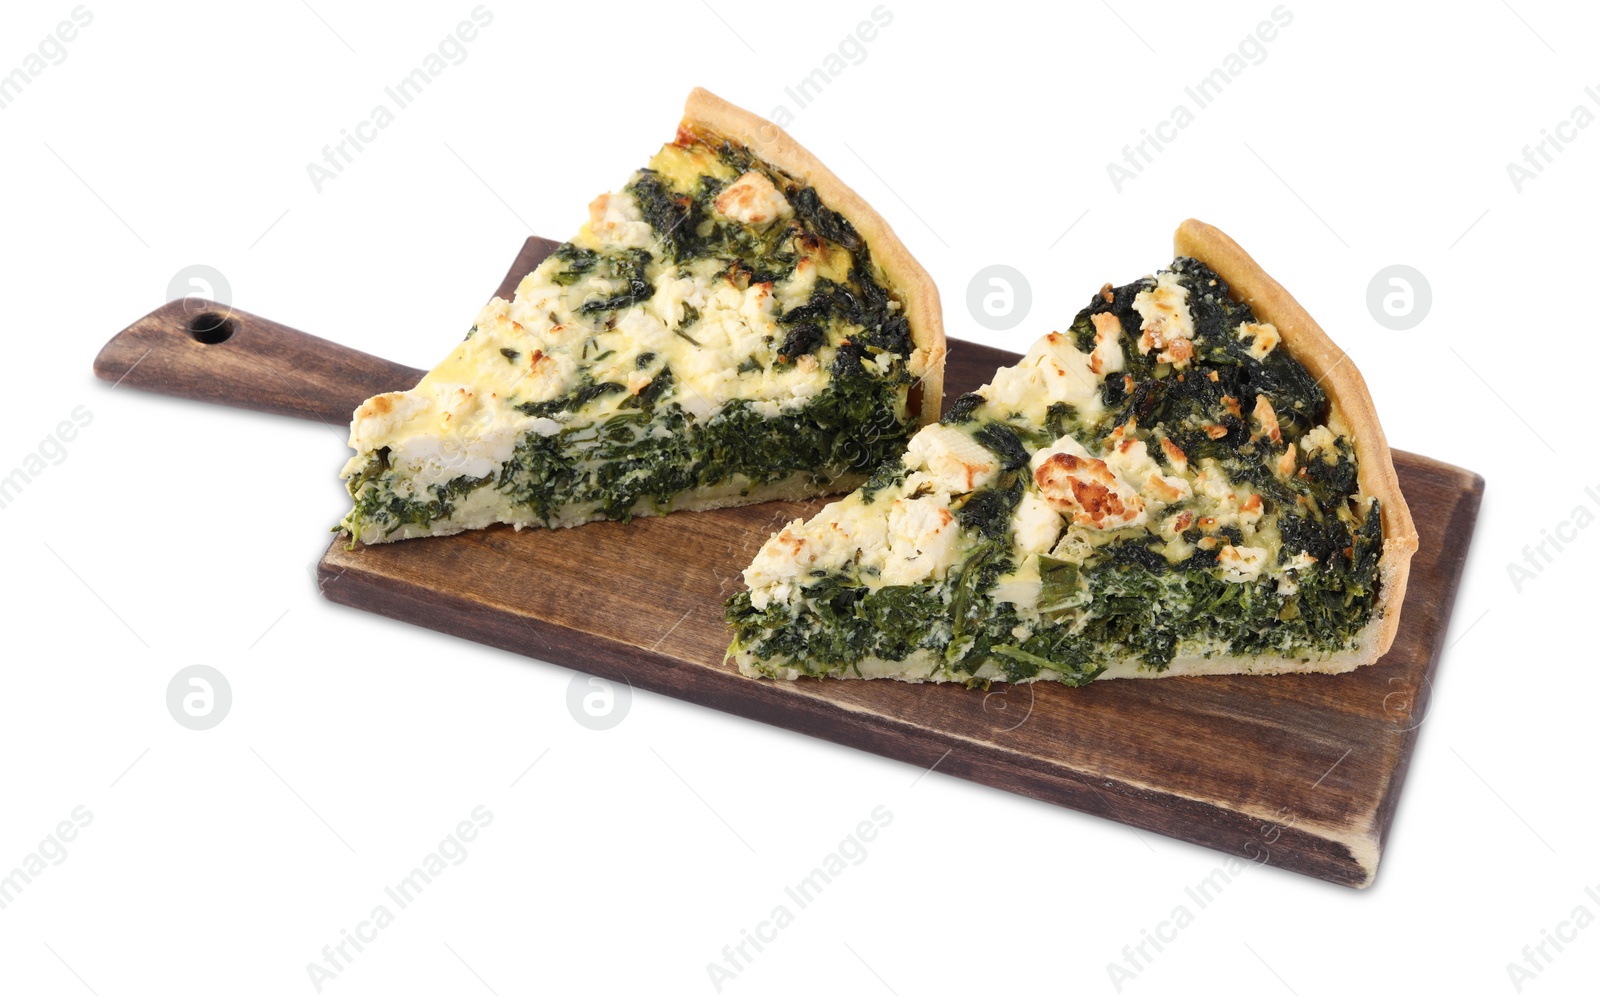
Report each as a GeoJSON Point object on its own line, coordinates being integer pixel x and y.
{"type": "Point", "coordinates": [1189, 480]}
{"type": "Point", "coordinates": [734, 325]}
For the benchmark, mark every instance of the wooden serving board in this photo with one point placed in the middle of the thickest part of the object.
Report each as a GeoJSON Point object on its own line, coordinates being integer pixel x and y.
{"type": "Point", "coordinates": [1299, 771]}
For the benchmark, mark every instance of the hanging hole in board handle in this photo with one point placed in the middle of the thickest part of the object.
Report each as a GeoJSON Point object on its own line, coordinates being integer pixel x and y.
{"type": "Point", "coordinates": [209, 328]}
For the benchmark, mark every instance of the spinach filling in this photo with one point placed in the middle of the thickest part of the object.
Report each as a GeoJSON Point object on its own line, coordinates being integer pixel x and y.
{"type": "Point", "coordinates": [647, 450]}
{"type": "Point", "coordinates": [649, 456]}
{"type": "Point", "coordinates": [645, 456]}
{"type": "Point", "coordinates": [1126, 599]}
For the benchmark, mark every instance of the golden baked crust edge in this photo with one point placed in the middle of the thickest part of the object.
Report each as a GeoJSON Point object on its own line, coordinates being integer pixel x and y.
{"type": "Point", "coordinates": [1347, 391]}
{"type": "Point", "coordinates": [706, 112]}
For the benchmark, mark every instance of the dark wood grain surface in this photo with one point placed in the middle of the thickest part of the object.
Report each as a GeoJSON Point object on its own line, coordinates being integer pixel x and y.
{"type": "Point", "coordinates": [1299, 771]}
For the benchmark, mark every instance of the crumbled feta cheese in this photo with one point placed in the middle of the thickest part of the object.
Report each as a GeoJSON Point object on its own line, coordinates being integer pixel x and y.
{"type": "Point", "coordinates": [1107, 354]}
{"type": "Point", "coordinates": [954, 460]}
{"type": "Point", "coordinates": [1168, 326]}
{"type": "Point", "coordinates": [1035, 526]}
{"type": "Point", "coordinates": [1241, 563]}
{"type": "Point", "coordinates": [1084, 488]}
{"type": "Point", "coordinates": [922, 537]}
{"type": "Point", "coordinates": [753, 200]}
{"type": "Point", "coordinates": [1262, 336]}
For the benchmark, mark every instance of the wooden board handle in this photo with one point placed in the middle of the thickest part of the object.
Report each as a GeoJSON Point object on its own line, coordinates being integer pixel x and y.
{"type": "Point", "coordinates": [193, 348]}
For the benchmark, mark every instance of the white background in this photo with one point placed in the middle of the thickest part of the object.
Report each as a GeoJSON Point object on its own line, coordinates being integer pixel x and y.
{"type": "Point", "coordinates": [174, 533]}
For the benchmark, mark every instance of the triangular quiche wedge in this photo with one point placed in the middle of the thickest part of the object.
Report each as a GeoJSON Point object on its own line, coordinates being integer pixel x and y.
{"type": "Point", "coordinates": [1191, 479]}
{"type": "Point", "coordinates": [733, 325]}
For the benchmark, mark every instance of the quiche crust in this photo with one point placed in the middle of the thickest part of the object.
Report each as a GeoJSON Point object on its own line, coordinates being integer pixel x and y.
{"type": "Point", "coordinates": [1347, 390]}
{"type": "Point", "coordinates": [704, 113]}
